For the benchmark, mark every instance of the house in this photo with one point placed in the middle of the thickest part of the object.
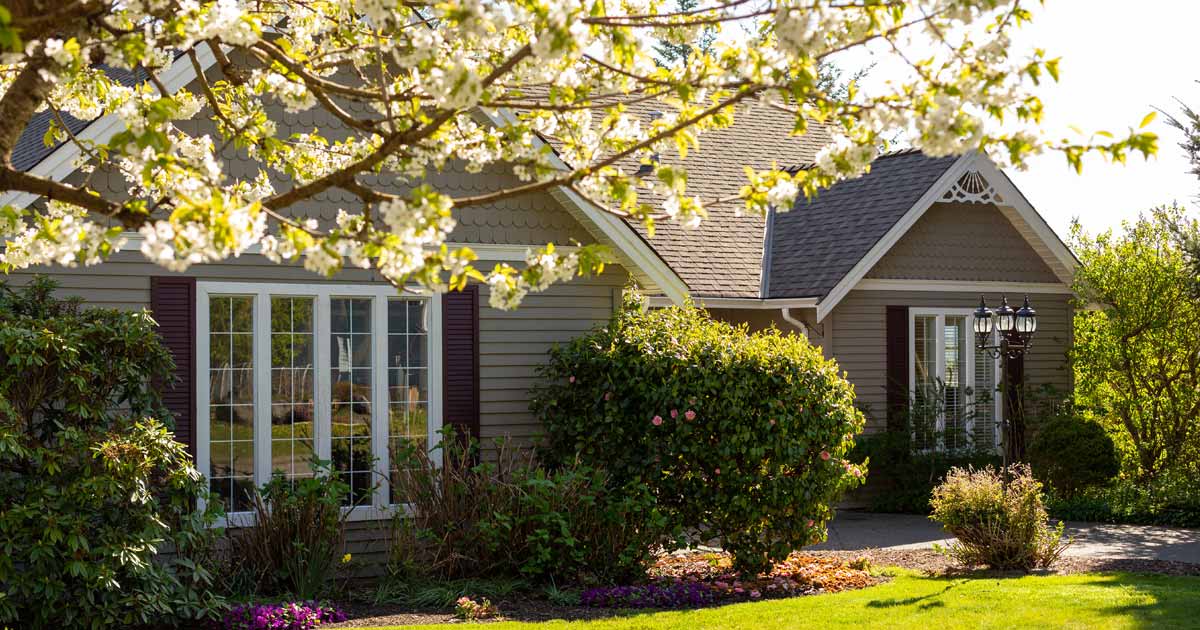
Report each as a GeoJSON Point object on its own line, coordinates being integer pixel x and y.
{"type": "Point", "coordinates": [276, 364]}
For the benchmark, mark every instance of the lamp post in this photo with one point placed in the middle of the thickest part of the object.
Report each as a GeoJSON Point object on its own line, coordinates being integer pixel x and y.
{"type": "Point", "coordinates": [1015, 335]}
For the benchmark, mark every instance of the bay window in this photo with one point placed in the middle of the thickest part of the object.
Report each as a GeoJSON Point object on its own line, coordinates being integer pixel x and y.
{"type": "Point", "coordinates": [955, 405]}
{"type": "Point", "coordinates": [289, 373]}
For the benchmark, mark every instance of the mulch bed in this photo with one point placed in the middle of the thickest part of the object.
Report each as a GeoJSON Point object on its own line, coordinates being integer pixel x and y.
{"type": "Point", "coordinates": [933, 563]}
{"type": "Point", "coordinates": [807, 573]}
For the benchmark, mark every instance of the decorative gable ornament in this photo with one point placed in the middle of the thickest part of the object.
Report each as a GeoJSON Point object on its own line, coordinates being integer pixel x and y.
{"type": "Point", "coordinates": [972, 187]}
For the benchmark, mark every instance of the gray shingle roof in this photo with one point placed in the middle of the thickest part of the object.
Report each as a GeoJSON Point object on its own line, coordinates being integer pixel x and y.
{"type": "Point", "coordinates": [723, 256]}
{"type": "Point", "coordinates": [31, 149]}
{"type": "Point", "coordinates": [817, 243]}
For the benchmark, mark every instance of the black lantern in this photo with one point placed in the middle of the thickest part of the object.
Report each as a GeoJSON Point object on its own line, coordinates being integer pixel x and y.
{"type": "Point", "coordinates": [983, 322]}
{"type": "Point", "coordinates": [1026, 322]}
{"type": "Point", "coordinates": [1006, 318]}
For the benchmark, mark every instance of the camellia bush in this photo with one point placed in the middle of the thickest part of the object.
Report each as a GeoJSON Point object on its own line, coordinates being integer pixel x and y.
{"type": "Point", "coordinates": [741, 437]}
{"type": "Point", "coordinates": [91, 483]}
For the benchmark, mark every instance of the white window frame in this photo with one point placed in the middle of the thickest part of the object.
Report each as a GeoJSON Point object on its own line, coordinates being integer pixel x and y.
{"type": "Point", "coordinates": [968, 377]}
{"type": "Point", "coordinates": [380, 506]}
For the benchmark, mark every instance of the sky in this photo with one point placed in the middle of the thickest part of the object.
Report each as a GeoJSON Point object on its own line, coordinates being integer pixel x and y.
{"type": "Point", "coordinates": [1120, 61]}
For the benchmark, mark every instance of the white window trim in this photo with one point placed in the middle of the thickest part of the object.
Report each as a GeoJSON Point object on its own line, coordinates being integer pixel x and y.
{"type": "Point", "coordinates": [940, 358]}
{"type": "Point", "coordinates": [379, 507]}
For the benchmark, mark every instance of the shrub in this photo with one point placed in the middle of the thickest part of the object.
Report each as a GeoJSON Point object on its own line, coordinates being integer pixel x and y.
{"type": "Point", "coordinates": [740, 436]}
{"type": "Point", "coordinates": [911, 475]}
{"type": "Point", "coordinates": [1071, 454]}
{"type": "Point", "coordinates": [292, 616]}
{"type": "Point", "coordinates": [298, 543]}
{"type": "Point", "coordinates": [1172, 499]}
{"type": "Point", "coordinates": [507, 516]}
{"type": "Point", "coordinates": [997, 527]}
{"type": "Point", "coordinates": [90, 487]}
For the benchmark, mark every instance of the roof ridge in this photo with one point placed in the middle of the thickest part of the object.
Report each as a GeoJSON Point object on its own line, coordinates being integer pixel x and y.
{"type": "Point", "coordinates": [804, 166]}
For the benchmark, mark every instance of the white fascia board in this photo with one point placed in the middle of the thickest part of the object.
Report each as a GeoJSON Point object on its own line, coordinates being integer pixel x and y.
{"type": "Point", "coordinates": [1017, 201]}
{"type": "Point", "coordinates": [965, 286]}
{"type": "Point", "coordinates": [889, 239]}
{"type": "Point", "coordinates": [61, 162]}
{"type": "Point", "coordinates": [636, 250]}
{"type": "Point", "coordinates": [740, 303]}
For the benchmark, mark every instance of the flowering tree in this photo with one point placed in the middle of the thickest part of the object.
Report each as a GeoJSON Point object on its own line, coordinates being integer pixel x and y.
{"type": "Point", "coordinates": [477, 82]}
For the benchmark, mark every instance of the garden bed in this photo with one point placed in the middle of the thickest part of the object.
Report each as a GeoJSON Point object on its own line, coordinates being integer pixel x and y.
{"type": "Point", "coordinates": [680, 581]}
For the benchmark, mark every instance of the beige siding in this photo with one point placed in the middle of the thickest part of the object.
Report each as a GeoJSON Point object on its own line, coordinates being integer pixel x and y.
{"type": "Point", "coordinates": [514, 343]}
{"type": "Point", "coordinates": [859, 346]}
{"type": "Point", "coordinates": [966, 242]}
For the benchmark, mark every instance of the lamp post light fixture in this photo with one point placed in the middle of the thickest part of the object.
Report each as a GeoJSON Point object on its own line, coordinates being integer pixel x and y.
{"type": "Point", "coordinates": [1015, 335]}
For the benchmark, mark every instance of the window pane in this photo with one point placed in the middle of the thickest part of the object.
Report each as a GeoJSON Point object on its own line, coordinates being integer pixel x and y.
{"type": "Point", "coordinates": [984, 404]}
{"type": "Point", "coordinates": [352, 380]}
{"type": "Point", "coordinates": [407, 383]}
{"type": "Point", "coordinates": [954, 428]}
{"type": "Point", "coordinates": [926, 399]}
{"type": "Point", "coordinates": [231, 399]}
{"type": "Point", "coordinates": [292, 436]}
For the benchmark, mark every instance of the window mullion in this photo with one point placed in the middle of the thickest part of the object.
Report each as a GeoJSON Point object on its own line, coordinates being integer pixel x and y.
{"type": "Point", "coordinates": [940, 370]}
{"type": "Point", "coordinates": [322, 399]}
{"type": "Point", "coordinates": [379, 410]}
{"type": "Point", "coordinates": [262, 388]}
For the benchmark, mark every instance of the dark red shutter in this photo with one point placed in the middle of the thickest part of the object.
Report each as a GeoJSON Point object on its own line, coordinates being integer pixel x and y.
{"type": "Point", "coordinates": [460, 360]}
{"type": "Point", "coordinates": [173, 304]}
{"type": "Point", "coordinates": [897, 366]}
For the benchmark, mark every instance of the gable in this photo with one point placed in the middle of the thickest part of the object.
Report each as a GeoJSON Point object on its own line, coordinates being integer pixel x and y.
{"type": "Point", "coordinates": [965, 242]}
{"type": "Point", "coordinates": [815, 245]}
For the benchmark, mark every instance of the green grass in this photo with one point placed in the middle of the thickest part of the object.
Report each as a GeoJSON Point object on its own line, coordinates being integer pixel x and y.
{"type": "Point", "coordinates": [1092, 601]}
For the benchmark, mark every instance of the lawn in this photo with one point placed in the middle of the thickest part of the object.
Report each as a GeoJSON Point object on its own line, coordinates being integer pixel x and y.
{"type": "Point", "coordinates": [1112, 600]}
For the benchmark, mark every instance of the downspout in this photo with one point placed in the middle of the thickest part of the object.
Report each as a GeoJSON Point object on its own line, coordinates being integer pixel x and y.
{"type": "Point", "coordinates": [787, 317]}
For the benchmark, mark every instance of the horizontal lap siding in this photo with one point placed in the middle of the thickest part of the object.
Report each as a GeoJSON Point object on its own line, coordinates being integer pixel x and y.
{"type": "Point", "coordinates": [513, 344]}
{"type": "Point", "coordinates": [859, 324]}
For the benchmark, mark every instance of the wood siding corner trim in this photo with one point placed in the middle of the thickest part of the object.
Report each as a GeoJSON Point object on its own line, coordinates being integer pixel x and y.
{"type": "Point", "coordinates": [173, 305]}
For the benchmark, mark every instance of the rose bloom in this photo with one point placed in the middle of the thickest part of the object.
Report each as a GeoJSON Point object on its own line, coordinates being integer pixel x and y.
{"type": "Point", "coordinates": [825, 455]}
{"type": "Point", "coordinates": [571, 380]}
{"type": "Point", "coordinates": [674, 413]}
{"type": "Point", "coordinates": [657, 421]}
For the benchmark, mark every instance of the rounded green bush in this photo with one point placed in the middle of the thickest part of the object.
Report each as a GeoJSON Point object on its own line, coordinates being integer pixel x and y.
{"type": "Point", "coordinates": [92, 484]}
{"type": "Point", "coordinates": [1071, 454]}
{"type": "Point", "coordinates": [739, 436]}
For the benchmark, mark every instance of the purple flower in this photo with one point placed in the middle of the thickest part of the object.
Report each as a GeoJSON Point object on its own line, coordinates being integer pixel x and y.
{"type": "Point", "coordinates": [287, 616]}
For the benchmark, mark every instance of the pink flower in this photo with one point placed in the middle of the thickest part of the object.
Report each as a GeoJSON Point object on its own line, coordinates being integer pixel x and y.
{"type": "Point", "coordinates": [755, 594]}
{"type": "Point", "coordinates": [825, 455]}
{"type": "Point", "coordinates": [657, 421]}
{"type": "Point", "coordinates": [674, 413]}
{"type": "Point", "coordinates": [690, 415]}
{"type": "Point", "coordinates": [717, 471]}
{"type": "Point", "coordinates": [607, 395]}
{"type": "Point", "coordinates": [857, 472]}
{"type": "Point", "coordinates": [809, 523]}
{"type": "Point", "coordinates": [571, 380]}
{"type": "Point", "coordinates": [739, 590]}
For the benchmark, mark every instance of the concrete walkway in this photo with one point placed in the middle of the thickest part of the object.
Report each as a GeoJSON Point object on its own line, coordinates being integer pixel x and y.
{"type": "Point", "coordinates": [852, 530]}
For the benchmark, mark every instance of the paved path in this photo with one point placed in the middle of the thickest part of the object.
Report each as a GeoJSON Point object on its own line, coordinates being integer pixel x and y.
{"type": "Point", "coordinates": [861, 530]}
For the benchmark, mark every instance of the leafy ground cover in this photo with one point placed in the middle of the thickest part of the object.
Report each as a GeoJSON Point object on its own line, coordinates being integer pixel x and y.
{"type": "Point", "coordinates": [911, 600]}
